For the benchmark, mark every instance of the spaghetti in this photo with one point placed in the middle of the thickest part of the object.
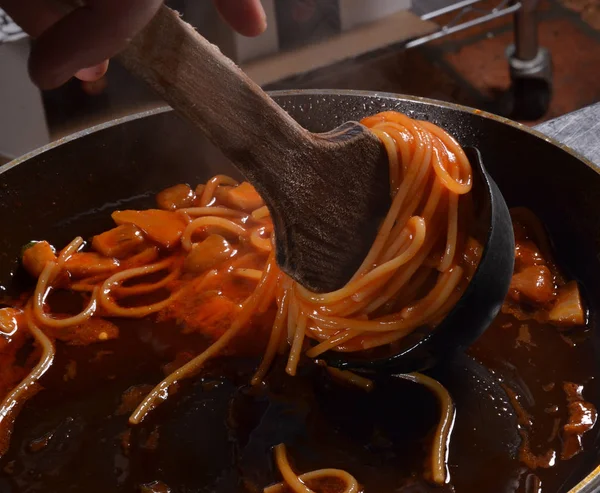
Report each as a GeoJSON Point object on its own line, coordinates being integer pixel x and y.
{"type": "Point", "coordinates": [28, 387]}
{"type": "Point", "coordinates": [346, 483]}
{"type": "Point", "coordinates": [207, 260]}
{"type": "Point", "coordinates": [302, 483]}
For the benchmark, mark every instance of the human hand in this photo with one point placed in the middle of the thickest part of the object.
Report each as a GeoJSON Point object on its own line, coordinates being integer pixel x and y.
{"type": "Point", "coordinates": [79, 41]}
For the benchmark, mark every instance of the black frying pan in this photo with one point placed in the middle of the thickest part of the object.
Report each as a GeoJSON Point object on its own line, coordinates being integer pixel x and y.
{"type": "Point", "coordinates": [56, 190]}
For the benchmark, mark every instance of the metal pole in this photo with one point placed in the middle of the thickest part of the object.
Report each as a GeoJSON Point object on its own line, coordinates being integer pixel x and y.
{"type": "Point", "coordinates": [526, 31]}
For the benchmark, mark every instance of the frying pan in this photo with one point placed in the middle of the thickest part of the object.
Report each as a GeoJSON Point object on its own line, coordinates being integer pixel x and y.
{"type": "Point", "coordinates": [56, 190]}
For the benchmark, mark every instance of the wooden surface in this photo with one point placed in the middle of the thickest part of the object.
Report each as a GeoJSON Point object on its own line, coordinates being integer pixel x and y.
{"type": "Point", "coordinates": [325, 191]}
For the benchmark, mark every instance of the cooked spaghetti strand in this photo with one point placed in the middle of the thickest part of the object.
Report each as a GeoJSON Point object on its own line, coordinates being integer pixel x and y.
{"type": "Point", "coordinates": [216, 252]}
{"type": "Point", "coordinates": [28, 387]}
{"type": "Point", "coordinates": [298, 483]}
{"type": "Point", "coordinates": [191, 368]}
{"type": "Point", "coordinates": [441, 439]}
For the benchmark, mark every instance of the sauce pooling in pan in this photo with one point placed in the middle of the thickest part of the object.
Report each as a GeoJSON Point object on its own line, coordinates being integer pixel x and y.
{"type": "Point", "coordinates": [523, 402]}
{"type": "Point", "coordinates": [80, 363]}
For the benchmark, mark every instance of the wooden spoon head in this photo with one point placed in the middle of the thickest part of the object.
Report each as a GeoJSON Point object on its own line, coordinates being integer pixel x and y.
{"type": "Point", "coordinates": [326, 192]}
{"type": "Point", "coordinates": [341, 193]}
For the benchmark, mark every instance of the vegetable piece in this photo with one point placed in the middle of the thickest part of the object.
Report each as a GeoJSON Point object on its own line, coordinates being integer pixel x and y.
{"type": "Point", "coordinates": [36, 256]}
{"type": "Point", "coordinates": [534, 284]}
{"type": "Point", "coordinates": [162, 227]}
{"type": "Point", "coordinates": [10, 321]}
{"type": "Point", "coordinates": [85, 264]}
{"type": "Point", "coordinates": [119, 242]}
{"type": "Point", "coordinates": [568, 308]}
{"type": "Point", "coordinates": [176, 197]}
{"type": "Point", "coordinates": [221, 194]}
{"type": "Point", "coordinates": [208, 254]}
{"type": "Point", "coordinates": [527, 254]}
{"type": "Point", "coordinates": [582, 418]}
{"type": "Point", "coordinates": [244, 197]}
{"type": "Point", "coordinates": [212, 317]}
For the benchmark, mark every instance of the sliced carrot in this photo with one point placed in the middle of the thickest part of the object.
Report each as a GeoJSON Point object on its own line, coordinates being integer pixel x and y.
{"type": "Point", "coordinates": [568, 308]}
{"type": "Point", "coordinates": [244, 197]}
{"type": "Point", "coordinates": [119, 242]}
{"type": "Point", "coordinates": [175, 197]}
{"type": "Point", "coordinates": [35, 257]}
{"type": "Point", "coordinates": [89, 264]}
{"type": "Point", "coordinates": [534, 284]}
{"type": "Point", "coordinates": [162, 227]}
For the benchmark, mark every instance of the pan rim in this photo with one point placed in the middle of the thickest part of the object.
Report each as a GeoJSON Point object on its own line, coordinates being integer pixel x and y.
{"type": "Point", "coordinates": [444, 104]}
{"type": "Point", "coordinates": [313, 92]}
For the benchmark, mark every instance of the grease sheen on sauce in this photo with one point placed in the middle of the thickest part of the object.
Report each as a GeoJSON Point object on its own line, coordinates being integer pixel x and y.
{"type": "Point", "coordinates": [216, 433]}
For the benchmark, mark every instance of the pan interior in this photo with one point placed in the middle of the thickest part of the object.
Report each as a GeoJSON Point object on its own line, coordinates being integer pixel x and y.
{"type": "Point", "coordinates": [72, 188]}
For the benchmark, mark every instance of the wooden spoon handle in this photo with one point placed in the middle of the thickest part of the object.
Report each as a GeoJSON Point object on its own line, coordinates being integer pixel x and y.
{"type": "Point", "coordinates": [210, 90]}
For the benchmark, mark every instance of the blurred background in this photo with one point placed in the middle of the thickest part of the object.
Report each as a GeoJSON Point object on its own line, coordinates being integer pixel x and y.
{"type": "Point", "coordinates": [527, 60]}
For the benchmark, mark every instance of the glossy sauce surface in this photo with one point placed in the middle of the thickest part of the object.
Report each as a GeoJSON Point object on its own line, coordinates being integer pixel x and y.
{"type": "Point", "coordinates": [216, 433]}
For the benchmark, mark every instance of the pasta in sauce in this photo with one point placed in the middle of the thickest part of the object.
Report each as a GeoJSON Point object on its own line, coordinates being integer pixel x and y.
{"type": "Point", "coordinates": [205, 259]}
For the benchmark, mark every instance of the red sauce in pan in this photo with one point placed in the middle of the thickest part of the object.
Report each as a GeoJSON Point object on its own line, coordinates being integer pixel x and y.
{"type": "Point", "coordinates": [525, 401]}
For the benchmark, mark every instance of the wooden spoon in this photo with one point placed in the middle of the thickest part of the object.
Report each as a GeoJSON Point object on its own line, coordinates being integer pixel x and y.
{"type": "Point", "coordinates": [326, 192]}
